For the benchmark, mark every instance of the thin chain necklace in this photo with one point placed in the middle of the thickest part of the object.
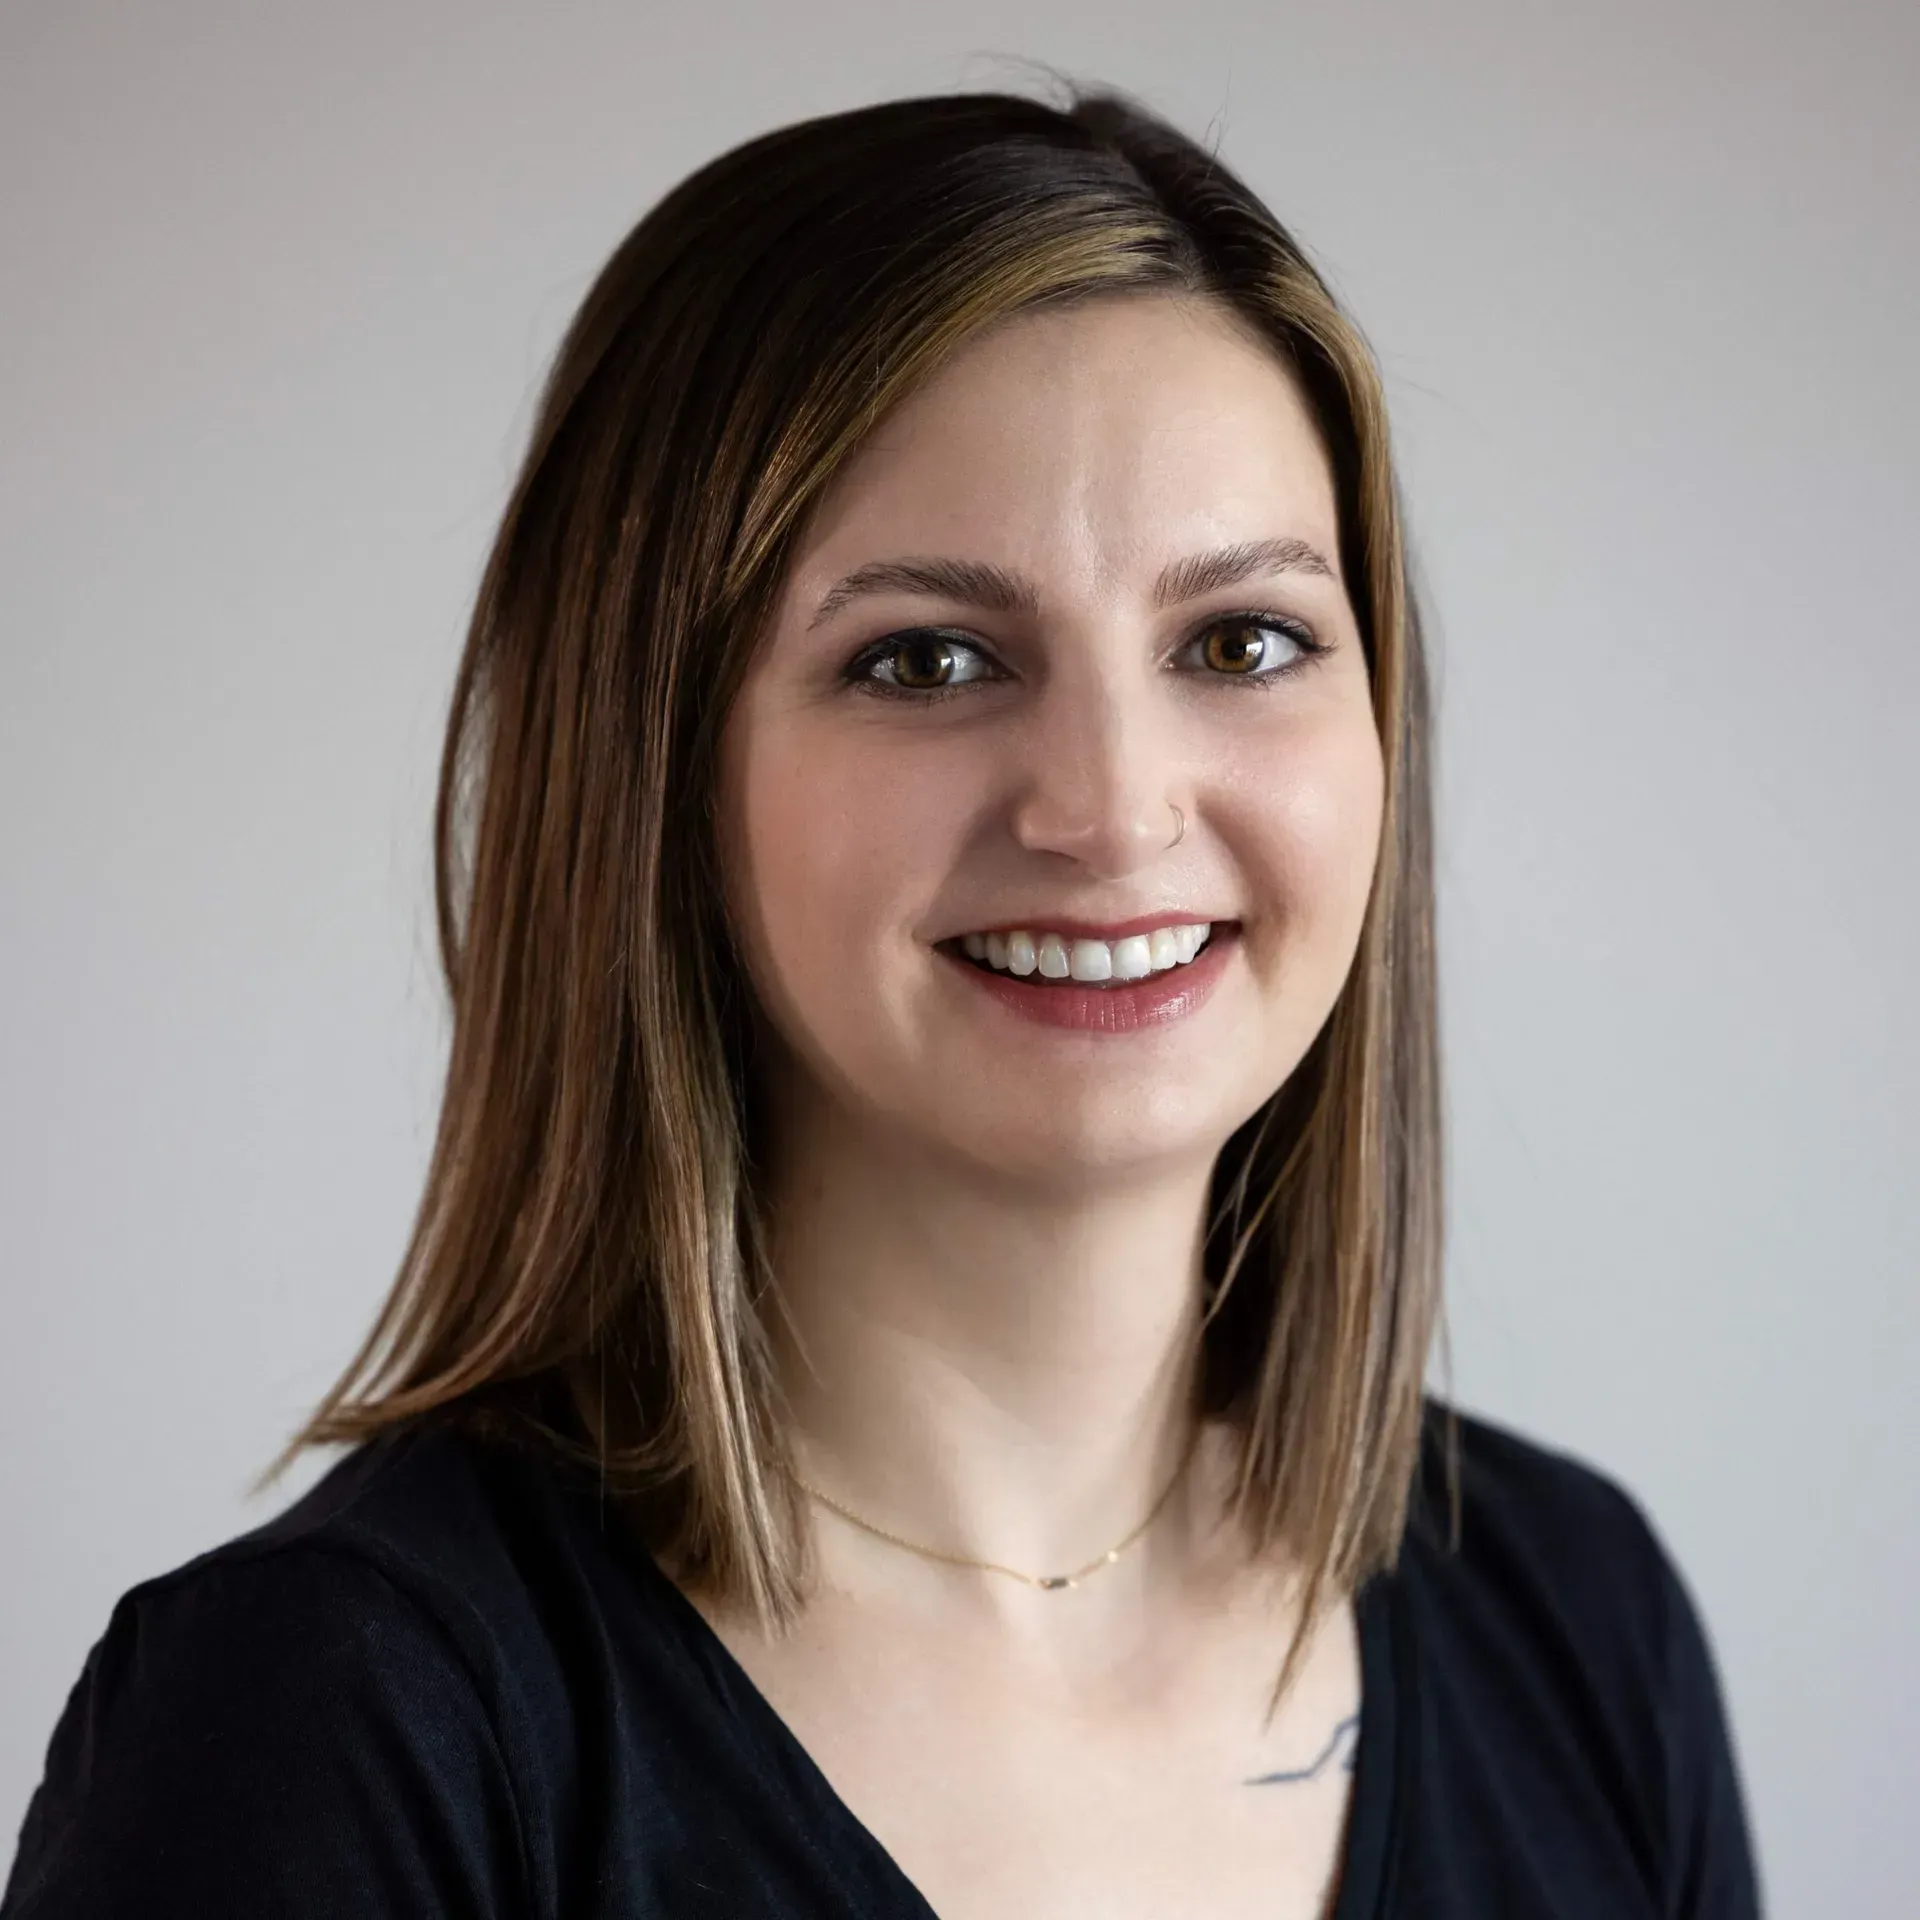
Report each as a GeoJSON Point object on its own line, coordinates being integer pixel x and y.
{"type": "Point", "coordinates": [1046, 1582]}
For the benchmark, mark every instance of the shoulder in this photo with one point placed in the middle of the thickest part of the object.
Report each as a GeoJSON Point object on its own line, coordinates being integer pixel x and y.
{"type": "Point", "coordinates": [329, 1708]}
{"type": "Point", "coordinates": [459, 1555]}
{"type": "Point", "coordinates": [1562, 1663]}
{"type": "Point", "coordinates": [419, 1548]}
{"type": "Point", "coordinates": [1528, 1510]}
{"type": "Point", "coordinates": [1528, 1541]}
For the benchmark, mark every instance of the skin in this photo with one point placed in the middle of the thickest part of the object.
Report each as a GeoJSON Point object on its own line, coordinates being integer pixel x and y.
{"type": "Point", "coordinates": [987, 1231]}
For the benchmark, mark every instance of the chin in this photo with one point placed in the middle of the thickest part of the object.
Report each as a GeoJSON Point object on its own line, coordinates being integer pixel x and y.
{"type": "Point", "coordinates": [1034, 1135]}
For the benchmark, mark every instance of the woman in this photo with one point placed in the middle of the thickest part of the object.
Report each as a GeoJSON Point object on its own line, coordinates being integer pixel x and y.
{"type": "Point", "coordinates": [906, 1391]}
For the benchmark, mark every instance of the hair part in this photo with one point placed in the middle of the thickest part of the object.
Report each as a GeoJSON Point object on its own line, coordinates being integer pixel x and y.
{"type": "Point", "coordinates": [587, 1263]}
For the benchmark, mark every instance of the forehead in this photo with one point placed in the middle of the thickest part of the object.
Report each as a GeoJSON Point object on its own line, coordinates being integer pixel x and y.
{"type": "Point", "coordinates": [1086, 444]}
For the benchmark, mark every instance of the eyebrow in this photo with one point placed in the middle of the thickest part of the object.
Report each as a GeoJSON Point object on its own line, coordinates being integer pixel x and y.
{"type": "Point", "coordinates": [978, 584]}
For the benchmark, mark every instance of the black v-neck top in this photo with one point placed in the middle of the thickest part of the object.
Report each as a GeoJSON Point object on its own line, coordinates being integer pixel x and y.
{"type": "Point", "coordinates": [445, 1682]}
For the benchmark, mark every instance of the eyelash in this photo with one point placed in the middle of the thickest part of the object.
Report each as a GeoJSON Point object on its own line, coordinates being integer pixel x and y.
{"type": "Point", "coordinates": [1310, 649]}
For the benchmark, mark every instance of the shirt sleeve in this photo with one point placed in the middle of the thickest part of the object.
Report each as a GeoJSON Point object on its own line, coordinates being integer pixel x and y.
{"type": "Point", "coordinates": [285, 1735]}
{"type": "Point", "coordinates": [1713, 1871]}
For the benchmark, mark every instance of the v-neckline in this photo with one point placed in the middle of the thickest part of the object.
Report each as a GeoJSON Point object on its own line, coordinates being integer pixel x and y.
{"type": "Point", "coordinates": [1382, 1754]}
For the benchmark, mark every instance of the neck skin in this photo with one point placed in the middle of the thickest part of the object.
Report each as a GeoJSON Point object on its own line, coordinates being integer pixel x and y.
{"type": "Point", "coordinates": [999, 1371]}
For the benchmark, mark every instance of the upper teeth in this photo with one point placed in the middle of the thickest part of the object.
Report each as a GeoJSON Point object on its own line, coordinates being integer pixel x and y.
{"type": "Point", "coordinates": [1133, 958]}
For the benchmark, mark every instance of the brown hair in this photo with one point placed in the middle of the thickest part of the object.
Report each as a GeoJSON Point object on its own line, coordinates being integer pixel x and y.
{"type": "Point", "coordinates": [589, 1227]}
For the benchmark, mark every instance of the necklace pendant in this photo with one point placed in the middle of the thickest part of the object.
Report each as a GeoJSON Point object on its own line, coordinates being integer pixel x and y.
{"type": "Point", "coordinates": [1053, 1582]}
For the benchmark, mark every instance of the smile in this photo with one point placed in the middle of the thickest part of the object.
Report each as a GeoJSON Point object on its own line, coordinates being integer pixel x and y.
{"type": "Point", "coordinates": [1127, 984]}
{"type": "Point", "coordinates": [1052, 956]}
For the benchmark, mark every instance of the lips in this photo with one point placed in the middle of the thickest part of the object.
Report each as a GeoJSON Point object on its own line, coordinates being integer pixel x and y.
{"type": "Point", "coordinates": [1101, 1007]}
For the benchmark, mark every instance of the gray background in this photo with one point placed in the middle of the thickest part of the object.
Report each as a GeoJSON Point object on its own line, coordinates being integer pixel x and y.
{"type": "Point", "coordinates": [276, 285]}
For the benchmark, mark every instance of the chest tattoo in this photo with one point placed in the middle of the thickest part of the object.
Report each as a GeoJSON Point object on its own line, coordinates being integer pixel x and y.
{"type": "Point", "coordinates": [1341, 1745]}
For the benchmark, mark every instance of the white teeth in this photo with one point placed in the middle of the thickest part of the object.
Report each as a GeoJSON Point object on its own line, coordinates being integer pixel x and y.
{"type": "Point", "coordinates": [1131, 958]}
{"type": "Point", "coordinates": [1092, 960]}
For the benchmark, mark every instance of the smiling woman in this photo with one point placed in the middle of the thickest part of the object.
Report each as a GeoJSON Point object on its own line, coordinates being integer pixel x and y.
{"type": "Point", "coordinates": [907, 1389]}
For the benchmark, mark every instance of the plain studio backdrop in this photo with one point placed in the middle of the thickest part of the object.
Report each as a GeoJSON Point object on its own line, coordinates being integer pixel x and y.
{"type": "Point", "coordinates": [277, 284]}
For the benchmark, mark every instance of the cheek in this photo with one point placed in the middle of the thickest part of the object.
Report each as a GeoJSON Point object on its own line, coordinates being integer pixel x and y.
{"type": "Point", "coordinates": [826, 850]}
{"type": "Point", "coordinates": [1311, 816]}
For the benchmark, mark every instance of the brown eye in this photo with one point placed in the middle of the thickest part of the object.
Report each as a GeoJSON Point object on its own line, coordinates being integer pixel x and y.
{"type": "Point", "coordinates": [1262, 649]}
{"type": "Point", "coordinates": [1235, 646]}
{"type": "Point", "coordinates": [923, 664]}
{"type": "Point", "coordinates": [922, 661]}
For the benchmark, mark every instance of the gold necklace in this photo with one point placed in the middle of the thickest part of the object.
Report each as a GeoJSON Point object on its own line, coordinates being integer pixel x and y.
{"type": "Point", "coordinates": [1046, 1582]}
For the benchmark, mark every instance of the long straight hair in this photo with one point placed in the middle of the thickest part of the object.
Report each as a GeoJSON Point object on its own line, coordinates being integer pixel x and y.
{"type": "Point", "coordinates": [587, 1260]}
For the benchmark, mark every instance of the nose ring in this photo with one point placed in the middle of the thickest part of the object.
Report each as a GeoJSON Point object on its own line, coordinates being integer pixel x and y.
{"type": "Point", "coordinates": [1180, 833]}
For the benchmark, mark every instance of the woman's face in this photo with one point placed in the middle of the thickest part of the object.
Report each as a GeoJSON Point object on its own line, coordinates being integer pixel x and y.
{"type": "Point", "coordinates": [1067, 588]}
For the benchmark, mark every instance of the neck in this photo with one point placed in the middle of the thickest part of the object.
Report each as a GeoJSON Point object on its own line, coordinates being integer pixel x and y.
{"type": "Point", "coordinates": [1003, 1372]}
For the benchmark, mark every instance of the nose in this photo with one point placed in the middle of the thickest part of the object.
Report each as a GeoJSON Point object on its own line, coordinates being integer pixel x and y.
{"type": "Point", "coordinates": [1100, 775]}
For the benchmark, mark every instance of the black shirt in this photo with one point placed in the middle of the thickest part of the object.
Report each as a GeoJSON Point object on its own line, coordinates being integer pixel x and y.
{"type": "Point", "coordinates": [445, 1682]}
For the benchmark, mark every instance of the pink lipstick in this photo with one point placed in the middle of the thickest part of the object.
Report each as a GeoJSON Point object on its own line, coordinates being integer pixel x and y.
{"type": "Point", "coordinates": [1115, 1007]}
